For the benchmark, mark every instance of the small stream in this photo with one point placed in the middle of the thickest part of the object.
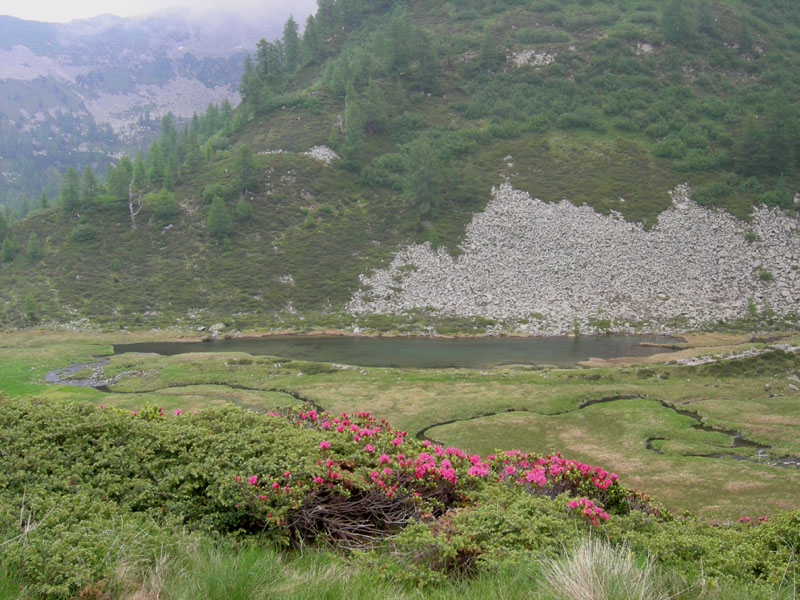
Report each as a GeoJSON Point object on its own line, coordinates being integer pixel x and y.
{"type": "Point", "coordinates": [97, 381]}
{"type": "Point", "coordinates": [737, 439]}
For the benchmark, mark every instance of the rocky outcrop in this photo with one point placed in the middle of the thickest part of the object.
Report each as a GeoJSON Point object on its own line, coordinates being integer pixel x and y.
{"type": "Point", "coordinates": [555, 267]}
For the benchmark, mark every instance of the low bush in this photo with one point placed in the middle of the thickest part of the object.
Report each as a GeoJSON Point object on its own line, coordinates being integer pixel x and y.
{"type": "Point", "coordinates": [91, 494]}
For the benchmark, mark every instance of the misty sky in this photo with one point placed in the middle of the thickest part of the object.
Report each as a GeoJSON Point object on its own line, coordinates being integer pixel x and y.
{"type": "Point", "coordinates": [67, 10]}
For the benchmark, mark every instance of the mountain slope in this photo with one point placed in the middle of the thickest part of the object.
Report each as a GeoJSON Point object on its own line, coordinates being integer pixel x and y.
{"type": "Point", "coordinates": [428, 106]}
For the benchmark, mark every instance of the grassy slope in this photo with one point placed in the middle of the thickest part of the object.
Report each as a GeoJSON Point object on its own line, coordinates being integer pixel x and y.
{"type": "Point", "coordinates": [317, 224]}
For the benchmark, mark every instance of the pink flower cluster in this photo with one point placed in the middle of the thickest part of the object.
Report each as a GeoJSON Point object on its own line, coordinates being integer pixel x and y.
{"type": "Point", "coordinates": [588, 509]}
{"type": "Point", "coordinates": [369, 452]}
{"type": "Point", "coordinates": [749, 521]}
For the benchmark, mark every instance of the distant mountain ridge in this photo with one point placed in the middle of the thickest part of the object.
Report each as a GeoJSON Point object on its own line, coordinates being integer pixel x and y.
{"type": "Point", "coordinates": [77, 93]}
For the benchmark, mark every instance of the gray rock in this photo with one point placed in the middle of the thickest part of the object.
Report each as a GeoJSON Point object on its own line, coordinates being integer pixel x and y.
{"type": "Point", "coordinates": [522, 255]}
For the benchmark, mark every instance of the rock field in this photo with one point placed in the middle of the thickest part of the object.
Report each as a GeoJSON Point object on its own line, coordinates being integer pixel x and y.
{"type": "Point", "coordinates": [553, 268]}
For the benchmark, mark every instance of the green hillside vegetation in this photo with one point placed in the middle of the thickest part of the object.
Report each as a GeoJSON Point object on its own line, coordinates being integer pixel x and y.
{"type": "Point", "coordinates": [426, 106]}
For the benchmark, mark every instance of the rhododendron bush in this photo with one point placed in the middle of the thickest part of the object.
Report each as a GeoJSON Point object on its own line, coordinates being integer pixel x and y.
{"type": "Point", "coordinates": [371, 480]}
{"type": "Point", "coordinates": [79, 484]}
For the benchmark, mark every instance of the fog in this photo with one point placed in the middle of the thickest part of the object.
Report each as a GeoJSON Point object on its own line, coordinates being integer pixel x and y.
{"type": "Point", "coordinates": [60, 11]}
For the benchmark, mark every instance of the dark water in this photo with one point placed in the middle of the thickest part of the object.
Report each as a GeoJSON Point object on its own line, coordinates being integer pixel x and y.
{"type": "Point", "coordinates": [404, 352]}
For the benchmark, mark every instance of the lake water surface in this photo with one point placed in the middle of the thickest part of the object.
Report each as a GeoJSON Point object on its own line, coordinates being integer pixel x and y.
{"type": "Point", "coordinates": [414, 352]}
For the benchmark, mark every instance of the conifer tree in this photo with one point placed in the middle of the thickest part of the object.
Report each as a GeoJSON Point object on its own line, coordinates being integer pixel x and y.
{"type": "Point", "coordinates": [89, 187]}
{"type": "Point", "coordinates": [30, 309]}
{"type": "Point", "coordinates": [675, 21]}
{"type": "Point", "coordinates": [139, 173]}
{"type": "Point", "coordinates": [155, 165]}
{"type": "Point", "coordinates": [119, 179]}
{"type": "Point", "coordinates": [312, 40]}
{"type": "Point", "coordinates": [244, 168]}
{"type": "Point", "coordinates": [489, 58]}
{"type": "Point", "coordinates": [423, 182]}
{"type": "Point", "coordinates": [219, 218]}
{"type": "Point", "coordinates": [70, 190]}
{"type": "Point", "coordinates": [43, 203]}
{"type": "Point", "coordinates": [291, 45]}
{"type": "Point", "coordinates": [705, 20]}
{"type": "Point", "coordinates": [9, 249]}
{"type": "Point", "coordinates": [3, 227]}
{"type": "Point", "coordinates": [32, 248]}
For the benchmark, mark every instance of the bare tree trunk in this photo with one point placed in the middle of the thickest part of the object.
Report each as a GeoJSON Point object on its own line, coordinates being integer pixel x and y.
{"type": "Point", "coordinates": [138, 200]}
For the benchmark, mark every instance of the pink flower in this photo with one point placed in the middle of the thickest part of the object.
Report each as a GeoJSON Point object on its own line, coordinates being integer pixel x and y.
{"type": "Point", "coordinates": [324, 444]}
{"type": "Point", "coordinates": [177, 411]}
{"type": "Point", "coordinates": [252, 480]}
{"type": "Point", "coordinates": [369, 448]}
{"type": "Point", "coordinates": [275, 485]}
{"type": "Point", "coordinates": [397, 441]}
{"type": "Point", "coordinates": [286, 474]}
{"type": "Point", "coordinates": [102, 406]}
{"type": "Point", "coordinates": [383, 458]}
{"type": "Point", "coordinates": [317, 479]}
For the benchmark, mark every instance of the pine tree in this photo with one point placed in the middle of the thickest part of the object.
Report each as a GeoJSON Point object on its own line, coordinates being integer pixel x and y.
{"type": "Point", "coordinates": [244, 168]}
{"type": "Point", "coordinates": [325, 11]}
{"type": "Point", "coordinates": [70, 190]}
{"type": "Point", "coordinates": [705, 20]}
{"type": "Point", "coordinates": [139, 173]}
{"type": "Point", "coordinates": [269, 63]}
{"type": "Point", "coordinates": [89, 187]}
{"type": "Point", "coordinates": [291, 45]}
{"type": "Point", "coordinates": [119, 179]}
{"type": "Point", "coordinates": [219, 219]}
{"type": "Point", "coordinates": [9, 249]}
{"type": "Point", "coordinates": [489, 58]}
{"type": "Point", "coordinates": [165, 206]}
{"type": "Point", "coordinates": [312, 40]}
{"type": "Point", "coordinates": [43, 203]}
{"type": "Point", "coordinates": [675, 21]}
{"type": "Point", "coordinates": [29, 309]}
{"type": "Point", "coordinates": [372, 109]}
{"type": "Point", "coordinates": [3, 227]}
{"type": "Point", "coordinates": [32, 248]}
{"type": "Point", "coordinates": [155, 165]}
{"type": "Point", "coordinates": [745, 37]}
{"type": "Point", "coordinates": [423, 182]}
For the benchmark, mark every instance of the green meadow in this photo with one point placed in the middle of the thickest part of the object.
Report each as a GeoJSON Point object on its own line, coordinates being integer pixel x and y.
{"type": "Point", "coordinates": [620, 416]}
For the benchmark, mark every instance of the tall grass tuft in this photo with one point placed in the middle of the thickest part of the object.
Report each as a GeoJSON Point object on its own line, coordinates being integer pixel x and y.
{"type": "Point", "coordinates": [218, 572]}
{"type": "Point", "coordinates": [596, 570]}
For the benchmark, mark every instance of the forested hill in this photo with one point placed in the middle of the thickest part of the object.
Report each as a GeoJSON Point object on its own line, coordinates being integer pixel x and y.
{"type": "Point", "coordinates": [426, 105]}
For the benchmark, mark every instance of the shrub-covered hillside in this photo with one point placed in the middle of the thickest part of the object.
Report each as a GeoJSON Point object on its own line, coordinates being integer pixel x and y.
{"type": "Point", "coordinates": [100, 502]}
{"type": "Point", "coordinates": [427, 105]}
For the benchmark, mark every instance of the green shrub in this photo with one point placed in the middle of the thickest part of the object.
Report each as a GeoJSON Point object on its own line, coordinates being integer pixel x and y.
{"type": "Point", "coordinates": [83, 233]}
{"type": "Point", "coordinates": [66, 542]}
{"type": "Point", "coordinates": [672, 147]}
{"type": "Point", "coordinates": [541, 35]}
{"type": "Point", "coordinates": [165, 206]}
